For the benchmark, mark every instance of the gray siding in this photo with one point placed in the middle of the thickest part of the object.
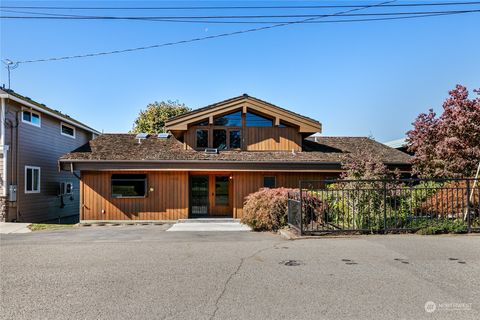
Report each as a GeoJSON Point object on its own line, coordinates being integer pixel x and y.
{"type": "Point", "coordinates": [41, 147]}
{"type": "Point", "coordinates": [2, 178]}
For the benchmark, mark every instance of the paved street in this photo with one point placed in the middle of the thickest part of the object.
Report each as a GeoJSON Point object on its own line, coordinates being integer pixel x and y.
{"type": "Point", "coordinates": [142, 272]}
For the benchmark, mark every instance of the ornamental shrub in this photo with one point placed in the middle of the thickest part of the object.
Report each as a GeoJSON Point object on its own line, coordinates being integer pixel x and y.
{"type": "Point", "coordinates": [266, 209]}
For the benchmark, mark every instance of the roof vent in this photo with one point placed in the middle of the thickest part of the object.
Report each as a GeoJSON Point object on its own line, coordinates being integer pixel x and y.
{"type": "Point", "coordinates": [163, 135]}
{"type": "Point", "coordinates": [211, 151]}
{"type": "Point", "coordinates": [141, 136]}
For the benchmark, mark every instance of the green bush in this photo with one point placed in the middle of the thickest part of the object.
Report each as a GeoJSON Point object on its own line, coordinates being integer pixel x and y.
{"type": "Point", "coordinates": [434, 226]}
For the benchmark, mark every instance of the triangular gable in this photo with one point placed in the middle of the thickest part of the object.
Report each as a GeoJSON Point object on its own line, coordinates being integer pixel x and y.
{"type": "Point", "coordinates": [244, 103]}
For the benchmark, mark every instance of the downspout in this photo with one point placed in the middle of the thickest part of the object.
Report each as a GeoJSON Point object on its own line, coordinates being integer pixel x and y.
{"type": "Point", "coordinates": [4, 149]}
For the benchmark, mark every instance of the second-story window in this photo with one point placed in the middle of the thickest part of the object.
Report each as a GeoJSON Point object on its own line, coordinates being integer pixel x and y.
{"type": "Point", "coordinates": [67, 130]}
{"type": "Point", "coordinates": [235, 139]}
{"type": "Point", "coordinates": [255, 120]}
{"type": "Point", "coordinates": [229, 120]}
{"type": "Point", "coordinates": [220, 139]}
{"type": "Point", "coordinates": [31, 117]}
{"type": "Point", "coordinates": [32, 179]}
{"type": "Point", "coordinates": [202, 138]}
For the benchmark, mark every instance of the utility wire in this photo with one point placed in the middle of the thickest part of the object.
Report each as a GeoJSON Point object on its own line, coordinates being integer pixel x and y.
{"type": "Point", "coordinates": [242, 7]}
{"type": "Point", "coordinates": [447, 13]}
{"type": "Point", "coordinates": [251, 30]}
{"type": "Point", "coordinates": [83, 17]}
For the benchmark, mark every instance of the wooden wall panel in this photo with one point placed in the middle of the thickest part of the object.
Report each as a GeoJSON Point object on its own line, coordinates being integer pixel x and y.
{"type": "Point", "coordinates": [167, 201]}
{"type": "Point", "coordinates": [272, 139]}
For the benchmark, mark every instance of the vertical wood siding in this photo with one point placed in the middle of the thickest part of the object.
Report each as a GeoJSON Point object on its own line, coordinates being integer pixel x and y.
{"type": "Point", "coordinates": [170, 198]}
{"type": "Point", "coordinates": [272, 139]}
{"type": "Point", "coordinates": [167, 201]}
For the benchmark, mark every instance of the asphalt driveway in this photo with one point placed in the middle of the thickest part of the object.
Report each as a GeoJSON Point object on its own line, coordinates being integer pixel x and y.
{"type": "Point", "coordinates": [141, 272]}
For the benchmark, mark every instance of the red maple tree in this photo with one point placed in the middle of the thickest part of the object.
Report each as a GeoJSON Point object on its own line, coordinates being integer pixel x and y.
{"type": "Point", "coordinates": [448, 145]}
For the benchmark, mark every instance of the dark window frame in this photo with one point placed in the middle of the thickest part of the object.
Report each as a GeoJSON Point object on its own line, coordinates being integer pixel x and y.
{"type": "Point", "coordinates": [274, 182]}
{"type": "Point", "coordinates": [144, 178]}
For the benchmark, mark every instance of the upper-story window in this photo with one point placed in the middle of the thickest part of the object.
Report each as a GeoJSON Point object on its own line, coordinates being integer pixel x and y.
{"type": "Point", "coordinates": [31, 117]}
{"type": "Point", "coordinates": [255, 120]}
{"type": "Point", "coordinates": [67, 130]}
{"type": "Point", "coordinates": [202, 138]}
{"type": "Point", "coordinates": [229, 120]}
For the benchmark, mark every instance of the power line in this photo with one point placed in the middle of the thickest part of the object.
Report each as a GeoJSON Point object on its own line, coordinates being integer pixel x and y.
{"type": "Point", "coordinates": [251, 30]}
{"type": "Point", "coordinates": [242, 7]}
{"type": "Point", "coordinates": [83, 17]}
{"type": "Point", "coordinates": [446, 13]}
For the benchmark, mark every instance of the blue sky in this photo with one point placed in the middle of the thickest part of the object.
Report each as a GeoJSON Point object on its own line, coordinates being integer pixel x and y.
{"type": "Point", "coordinates": [358, 79]}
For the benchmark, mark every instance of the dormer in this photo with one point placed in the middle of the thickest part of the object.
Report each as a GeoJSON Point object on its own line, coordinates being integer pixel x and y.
{"type": "Point", "coordinates": [242, 123]}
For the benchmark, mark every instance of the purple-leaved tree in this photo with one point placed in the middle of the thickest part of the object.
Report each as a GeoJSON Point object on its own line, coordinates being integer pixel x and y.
{"type": "Point", "coordinates": [448, 145]}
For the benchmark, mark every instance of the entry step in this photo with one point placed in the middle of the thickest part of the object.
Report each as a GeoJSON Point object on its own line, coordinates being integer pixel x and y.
{"type": "Point", "coordinates": [209, 220]}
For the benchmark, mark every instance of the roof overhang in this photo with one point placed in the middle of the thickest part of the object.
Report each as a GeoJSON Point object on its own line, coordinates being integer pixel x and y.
{"type": "Point", "coordinates": [244, 103]}
{"type": "Point", "coordinates": [190, 165]}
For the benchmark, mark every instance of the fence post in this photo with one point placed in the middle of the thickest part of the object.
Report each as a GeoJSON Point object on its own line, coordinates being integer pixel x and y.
{"type": "Point", "coordinates": [467, 212]}
{"type": "Point", "coordinates": [301, 207]}
{"type": "Point", "coordinates": [384, 207]}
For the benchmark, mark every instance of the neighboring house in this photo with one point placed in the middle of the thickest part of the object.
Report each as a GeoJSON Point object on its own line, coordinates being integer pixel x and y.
{"type": "Point", "coordinates": [399, 144]}
{"type": "Point", "coordinates": [214, 157]}
{"type": "Point", "coordinates": [33, 137]}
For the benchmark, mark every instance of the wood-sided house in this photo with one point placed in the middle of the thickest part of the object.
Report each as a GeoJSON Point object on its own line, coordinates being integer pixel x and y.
{"type": "Point", "coordinates": [212, 158]}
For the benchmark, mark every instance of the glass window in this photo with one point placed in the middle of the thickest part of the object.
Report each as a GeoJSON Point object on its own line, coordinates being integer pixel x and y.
{"type": "Point", "coordinates": [220, 139]}
{"type": "Point", "coordinates": [32, 179]}
{"type": "Point", "coordinates": [230, 120]}
{"type": "Point", "coordinates": [269, 182]}
{"type": "Point", "coordinates": [202, 138]}
{"type": "Point", "coordinates": [254, 120]}
{"type": "Point", "coordinates": [221, 191]}
{"type": "Point", "coordinates": [129, 185]}
{"type": "Point", "coordinates": [67, 130]}
{"type": "Point", "coordinates": [31, 118]}
{"type": "Point", "coordinates": [202, 123]}
{"type": "Point", "coordinates": [235, 139]}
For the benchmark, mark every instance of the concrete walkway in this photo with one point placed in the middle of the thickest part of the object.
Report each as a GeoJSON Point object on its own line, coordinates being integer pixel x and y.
{"type": "Point", "coordinates": [209, 224]}
{"type": "Point", "coordinates": [14, 227]}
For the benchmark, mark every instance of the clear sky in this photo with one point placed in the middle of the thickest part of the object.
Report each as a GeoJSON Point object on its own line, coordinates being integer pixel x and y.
{"type": "Point", "coordinates": [357, 79]}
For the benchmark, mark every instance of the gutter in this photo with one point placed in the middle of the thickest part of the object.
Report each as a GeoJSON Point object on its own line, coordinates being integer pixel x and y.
{"type": "Point", "coordinates": [33, 106]}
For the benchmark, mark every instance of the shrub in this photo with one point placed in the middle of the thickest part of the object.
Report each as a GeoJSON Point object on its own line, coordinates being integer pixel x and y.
{"type": "Point", "coordinates": [266, 209]}
{"type": "Point", "coordinates": [441, 226]}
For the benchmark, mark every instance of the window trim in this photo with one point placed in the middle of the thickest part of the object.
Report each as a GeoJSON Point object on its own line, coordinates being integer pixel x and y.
{"type": "Point", "coordinates": [129, 197]}
{"type": "Point", "coordinates": [39, 125]}
{"type": "Point", "coordinates": [39, 179]}
{"type": "Point", "coordinates": [274, 181]}
{"type": "Point", "coordinates": [68, 126]}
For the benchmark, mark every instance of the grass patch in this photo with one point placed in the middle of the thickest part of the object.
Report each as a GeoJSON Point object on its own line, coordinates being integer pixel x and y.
{"type": "Point", "coordinates": [49, 226]}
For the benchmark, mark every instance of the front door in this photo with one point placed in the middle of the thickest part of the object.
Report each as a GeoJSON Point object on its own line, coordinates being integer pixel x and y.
{"type": "Point", "coordinates": [199, 204]}
{"type": "Point", "coordinates": [220, 196]}
{"type": "Point", "coordinates": [210, 196]}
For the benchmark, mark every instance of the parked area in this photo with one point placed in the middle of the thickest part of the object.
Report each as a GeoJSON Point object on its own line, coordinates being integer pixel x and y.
{"type": "Point", "coordinates": [142, 272]}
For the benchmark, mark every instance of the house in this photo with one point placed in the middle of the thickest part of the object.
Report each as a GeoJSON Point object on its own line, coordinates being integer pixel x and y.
{"type": "Point", "coordinates": [210, 160]}
{"type": "Point", "coordinates": [399, 144]}
{"type": "Point", "coordinates": [33, 137]}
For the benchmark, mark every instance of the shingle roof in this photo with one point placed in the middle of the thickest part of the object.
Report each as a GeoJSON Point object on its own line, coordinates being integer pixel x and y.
{"type": "Point", "coordinates": [43, 107]}
{"type": "Point", "coordinates": [120, 147]}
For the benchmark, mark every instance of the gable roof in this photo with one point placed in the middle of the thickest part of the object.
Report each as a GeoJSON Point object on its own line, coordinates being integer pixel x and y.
{"type": "Point", "coordinates": [305, 124]}
{"type": "Point", "coordinates": [124, 147]}
{"type": "Point", "coordinates": [26, 101]}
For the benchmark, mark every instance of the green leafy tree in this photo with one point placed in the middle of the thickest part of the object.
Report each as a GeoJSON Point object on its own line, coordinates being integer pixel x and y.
{"type": "Point", "coordinates": [152, 119]}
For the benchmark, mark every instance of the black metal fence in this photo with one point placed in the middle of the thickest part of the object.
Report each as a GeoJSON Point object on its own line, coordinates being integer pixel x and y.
{"type": "Point", "coordinates": [385, 206]}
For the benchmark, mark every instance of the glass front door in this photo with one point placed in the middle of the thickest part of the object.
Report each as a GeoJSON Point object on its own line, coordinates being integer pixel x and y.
{"type": "Point", "coordinates": [199, 196]}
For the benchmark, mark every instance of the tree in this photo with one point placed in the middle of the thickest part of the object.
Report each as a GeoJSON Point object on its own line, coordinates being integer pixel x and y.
{"type": "Point", "coordinates": [152, 119]}
{"type": "Point", "coordinates": [449, 145]}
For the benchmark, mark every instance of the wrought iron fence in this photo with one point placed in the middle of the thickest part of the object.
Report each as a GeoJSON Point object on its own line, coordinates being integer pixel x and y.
{"type": "Point", "coordinates": [382, 206]}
